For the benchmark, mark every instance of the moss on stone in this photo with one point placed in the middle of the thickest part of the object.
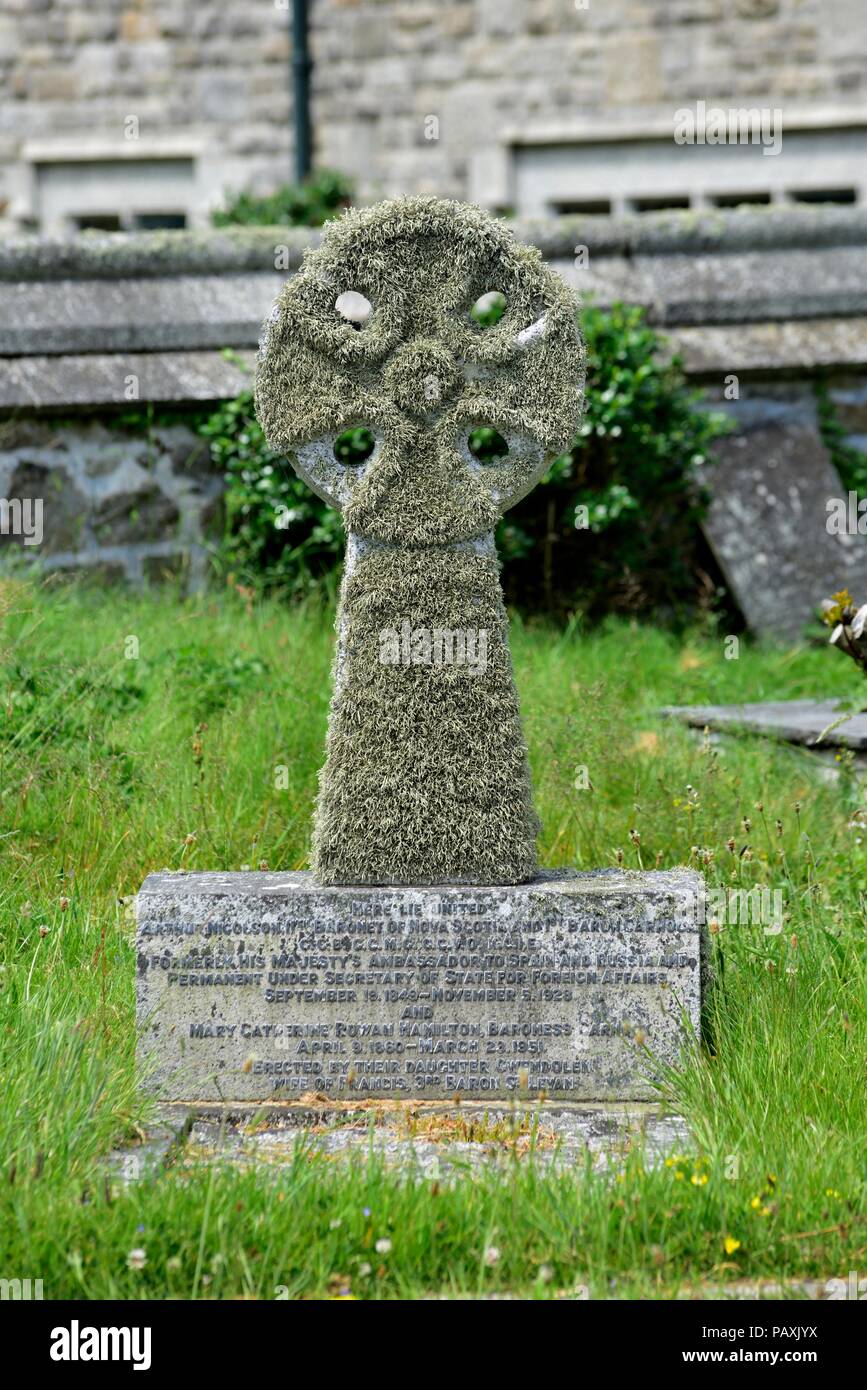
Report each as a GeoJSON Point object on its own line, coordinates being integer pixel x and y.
{"type": "Point", "coordinates": [426, 778]}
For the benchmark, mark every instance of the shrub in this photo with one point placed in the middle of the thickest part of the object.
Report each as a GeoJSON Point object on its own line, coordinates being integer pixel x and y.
{"type": "Point", "coordinates": [277, 535]}
{"type": "Point", "coordinates": [615, 524]}
{"type": "Point", "coordinates": [309, 204]}
{"type": "Point", "coordinates": [612, 527]}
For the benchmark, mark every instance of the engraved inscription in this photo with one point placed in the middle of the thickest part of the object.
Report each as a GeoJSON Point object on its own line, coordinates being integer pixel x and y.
{"type": "Point", "coordinates": [406, 992]}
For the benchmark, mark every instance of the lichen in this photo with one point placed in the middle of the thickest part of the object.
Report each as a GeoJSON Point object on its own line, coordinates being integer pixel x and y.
{"type": "Point", "coordinates": [426, 778]}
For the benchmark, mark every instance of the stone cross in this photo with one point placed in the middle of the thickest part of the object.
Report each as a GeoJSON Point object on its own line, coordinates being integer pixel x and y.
{"type": "Point", "coordinates": [426, 778]}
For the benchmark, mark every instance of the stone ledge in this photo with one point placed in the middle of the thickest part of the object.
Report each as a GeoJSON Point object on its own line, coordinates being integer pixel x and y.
{"type": "Point", "coordinates": [794, 277]}
{"type": "Point", "coordinates": [75, 381]}
{"type": "Point", "coordinates": [780, 348]}
{"type": "Point", "coordinates": [231, 250]}
{"type": "Point", "coordinates": [135, 314]}
{"type": "Point", "coordinates": [63, 383]}
{"type": "Point", "coordinates": [697, 231]}
{"type": "Point", "coordinates": [117, 255]}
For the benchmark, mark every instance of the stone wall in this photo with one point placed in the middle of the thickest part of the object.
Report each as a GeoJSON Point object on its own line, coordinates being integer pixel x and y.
{"type": "Point", "coordinates": [93, 327]}
{"type": "Point", "coordinates": [113, 503]}
{"type": "Point", "coordinates": [407, 95]}
{"type": "Point", "coordinates": [141, 82]}
{"type": "Point", "coordinates": [425, 96]}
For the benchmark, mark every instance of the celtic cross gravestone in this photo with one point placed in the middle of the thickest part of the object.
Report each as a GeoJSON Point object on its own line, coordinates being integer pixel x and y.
{"type": "Point", "coordinates": [426, 954]}
{"type": "Point", "coordinates": [426, 777]}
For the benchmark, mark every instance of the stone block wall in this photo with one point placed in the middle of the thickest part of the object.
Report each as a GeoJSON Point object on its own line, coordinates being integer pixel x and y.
{"type": "Point", "coordinates": [407, 95]}
{"type": "Point", "coordinates": [113, 504]}
{"type": "Point", "coordinates": [143, 80]}
{"type": "Point", "coordinates": [418, 97]}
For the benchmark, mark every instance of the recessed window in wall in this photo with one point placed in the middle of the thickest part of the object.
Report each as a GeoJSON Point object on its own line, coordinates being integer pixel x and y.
{"type": "Point", "coordinates": [95, 222]}
{"type": "Point", "coordinates": [130, 222]}
{"type": "Point", "coordinates": [672, 200]}
{"type": "Point", "coordinates": [591, 207]}
{"type": "Point", "coordinates": [650, 174]}
{"type": "Point", "coordinates": [154, 221]}
{"type": "Point", "coordinates": [740, 200]}
{"type": "Point", "coordinates": [823, 195]}
{"type": "Point", "coordinates": [112, 194]}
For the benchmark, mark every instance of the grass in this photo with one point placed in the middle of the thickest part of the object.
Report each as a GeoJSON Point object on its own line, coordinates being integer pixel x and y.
{"type": "Point", "coordinates": [142, 732]}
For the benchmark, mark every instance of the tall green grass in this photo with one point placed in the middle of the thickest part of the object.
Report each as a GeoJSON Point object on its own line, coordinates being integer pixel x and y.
{"type": "Point", "coordinates": [142, 732]}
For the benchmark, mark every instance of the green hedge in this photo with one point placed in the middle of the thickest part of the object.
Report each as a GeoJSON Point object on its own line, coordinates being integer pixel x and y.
{"type": "Point", "coordinates": [614, 526]}
{"type": "Point", "coordinates": [309, 204]}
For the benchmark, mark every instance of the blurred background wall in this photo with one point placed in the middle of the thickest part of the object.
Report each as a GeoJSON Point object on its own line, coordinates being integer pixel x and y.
{"type": "Point", "coordinates": [140, 115]}
{"type": "Point", "coordinates": [695, 168]}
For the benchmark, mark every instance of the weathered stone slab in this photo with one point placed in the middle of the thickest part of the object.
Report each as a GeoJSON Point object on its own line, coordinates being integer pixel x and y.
{"type": "Point", "coordinates": [747, 287]}
{"type": "Point", "coordinates": [264, 986]}
{"type": "Point", "coordinates": [134, 315]}
{"type": "Point", "coordinates": [431, 1139]}
{"type": "Point", "coordinates": [782, 348]}
{"type": "Point", "coordinates": [102, 378]}
{"type": "Point", "coordinates": [796, 721]}
{"type": "Point", "coordinates": [767, 525]}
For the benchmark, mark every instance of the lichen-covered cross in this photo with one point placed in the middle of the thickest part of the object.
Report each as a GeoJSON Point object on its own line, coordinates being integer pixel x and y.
{"type": "Point", "coordinates": [426, 778]}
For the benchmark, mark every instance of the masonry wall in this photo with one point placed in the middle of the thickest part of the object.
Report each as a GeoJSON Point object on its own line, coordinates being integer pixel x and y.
{"type": "Point", "coordinates": [424, 96]}
{"type": "Point", "coordinates": [205, 81]}
{"type": "Point", "coordinates": [113, 504]}
{"type": "Point", "coordinates": [408, 95]}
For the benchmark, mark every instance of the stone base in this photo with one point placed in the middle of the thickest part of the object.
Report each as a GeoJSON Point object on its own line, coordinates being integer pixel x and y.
{"type": "Point", "coordinates": [265, 986]}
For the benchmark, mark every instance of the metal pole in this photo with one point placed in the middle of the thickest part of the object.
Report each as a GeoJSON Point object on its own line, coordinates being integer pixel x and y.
{"type": "Point", "coordinates": [301, 65]}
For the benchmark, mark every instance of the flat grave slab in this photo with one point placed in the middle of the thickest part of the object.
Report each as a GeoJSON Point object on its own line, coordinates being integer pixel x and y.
{"type": "Point", "coordinates": [426, 1140]}
{"type": "Point", "coordinates": [421, 1139]}
{"type": "Point", "coordinates": [796, 721]}
{"type": "Point", "coordinates": [266, 986]}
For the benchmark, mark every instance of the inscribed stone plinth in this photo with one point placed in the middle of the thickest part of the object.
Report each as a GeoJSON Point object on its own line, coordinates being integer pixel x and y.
{"type": "Point", "coordinates": [263, 986]}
